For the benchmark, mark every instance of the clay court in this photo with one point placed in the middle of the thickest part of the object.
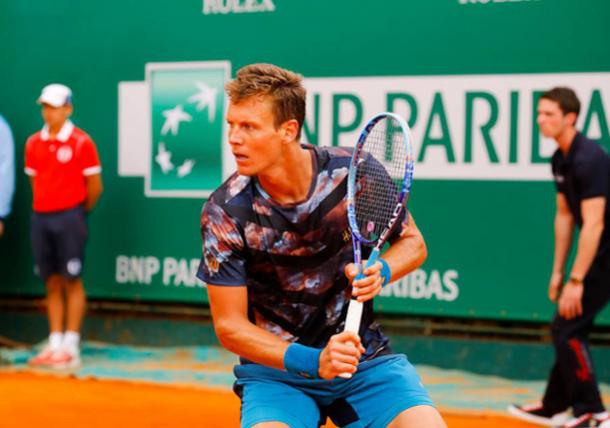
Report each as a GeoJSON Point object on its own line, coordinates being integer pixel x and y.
{"type": "Point", "coordinates": [161, 385]}
{"type": "Point", "coordinates": [70, 402]}
{"type": "Point", "coordinates": [147, 387]}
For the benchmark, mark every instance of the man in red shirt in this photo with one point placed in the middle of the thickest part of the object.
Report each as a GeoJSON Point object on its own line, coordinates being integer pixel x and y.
{"type": "Point", "coordinates": [65, 174]}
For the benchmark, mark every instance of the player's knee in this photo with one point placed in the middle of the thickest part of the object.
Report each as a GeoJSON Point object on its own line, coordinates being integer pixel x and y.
{"type": "Point", "coordinates": [74, 283]}
{"type": "Point", "coordinates": [560, 335]}
{"type": "Point", "coordinates": [54, 284]}
{"type": "Point", "coordinates": [418, 416]}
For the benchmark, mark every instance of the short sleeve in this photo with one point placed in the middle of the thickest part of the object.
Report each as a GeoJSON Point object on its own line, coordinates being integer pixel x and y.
{"type": "Point", "coordinates": [88, 158]}
{"type": "Point", "coordinates": [223, 259]}
{"type": "Point", "coordinates": [557, 167]}
{"type": "Point", "coordinates": [31, 168]}
{"type": "Point", "coordinates": [593, 176]}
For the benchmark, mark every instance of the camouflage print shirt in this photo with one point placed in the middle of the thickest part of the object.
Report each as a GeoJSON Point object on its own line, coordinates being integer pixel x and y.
{"type": "Point", "coordinates": [291, 257]}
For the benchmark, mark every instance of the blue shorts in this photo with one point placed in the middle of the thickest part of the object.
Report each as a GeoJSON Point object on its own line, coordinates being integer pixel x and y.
{"type": "Point", "coordinates": [58, 242]}
{"type": "Point", "coordinates": [379, 391]}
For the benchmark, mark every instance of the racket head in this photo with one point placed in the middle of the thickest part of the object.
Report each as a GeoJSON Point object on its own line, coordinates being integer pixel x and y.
{"type": "Point", "coordinates": [380, 176]}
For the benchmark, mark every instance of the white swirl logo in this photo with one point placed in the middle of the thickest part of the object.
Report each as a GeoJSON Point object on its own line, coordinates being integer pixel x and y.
{"type": "Point", "coordinates": [74, 267]}
{"type": "Point", "coordinates": [64, 154]}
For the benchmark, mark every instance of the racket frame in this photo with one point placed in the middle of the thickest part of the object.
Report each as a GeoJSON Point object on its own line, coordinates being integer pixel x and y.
{"type": "Point", "coordinates": [354, 311]}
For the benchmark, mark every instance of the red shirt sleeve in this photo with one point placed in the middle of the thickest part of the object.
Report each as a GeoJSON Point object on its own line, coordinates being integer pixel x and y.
{"type": "Point", "coordinates": [30, 158]}
{"type": "Point", "coordinates": [88, 157]}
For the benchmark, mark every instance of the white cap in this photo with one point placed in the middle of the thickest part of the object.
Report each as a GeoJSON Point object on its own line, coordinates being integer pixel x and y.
{"type": "Point", "coordinates": [55, 95]}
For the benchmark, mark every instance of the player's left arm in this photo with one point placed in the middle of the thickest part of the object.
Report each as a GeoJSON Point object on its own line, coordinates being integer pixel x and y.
{"type": "Point", "coordinates": [593, 210]}
{"type": "Point", "coordinates": [592, 178]}
{"type": "Point", "coordinates": [406, 254]}
{"type": "Point", "coordinates": [92, 171]}
{"type": "Point", "coordinates": [95, 187]}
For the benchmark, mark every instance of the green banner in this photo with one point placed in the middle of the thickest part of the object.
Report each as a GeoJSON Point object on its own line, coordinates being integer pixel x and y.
{"type": "Point", "coordinates": [466, 74]}
{"type": "Point", "coordinates": [187, 111]}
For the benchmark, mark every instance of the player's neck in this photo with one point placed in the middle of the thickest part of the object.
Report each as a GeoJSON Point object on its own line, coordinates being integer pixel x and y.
{"type": "Point", "coordinates": [55, 129]}
{"type": "Point", "coordinates": [289, 182]}
{"type": "Point", "coordinates": [565, 139]}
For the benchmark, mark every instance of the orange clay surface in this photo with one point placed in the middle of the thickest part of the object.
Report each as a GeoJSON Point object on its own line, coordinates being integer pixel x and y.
{"type": "Point", "coordinates": [38, 400]}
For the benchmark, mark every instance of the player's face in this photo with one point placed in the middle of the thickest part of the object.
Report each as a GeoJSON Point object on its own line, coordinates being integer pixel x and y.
{"type": "Point", "coordinates": [551, 120]}
{"type": "Point", "coordinates": [55, 116]}
{"type": "Point", "coordinates": [255, 141]}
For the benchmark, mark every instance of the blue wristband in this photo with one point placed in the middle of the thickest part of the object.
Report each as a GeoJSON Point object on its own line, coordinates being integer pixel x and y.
{"type": "Point", "coordinates": [385, 272]}
{"type": "Point", "coordinates": [302, 360]}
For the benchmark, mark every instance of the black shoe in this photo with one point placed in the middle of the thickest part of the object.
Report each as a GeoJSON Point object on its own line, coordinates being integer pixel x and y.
{"type": "Point", "coordinates": [537, 414]}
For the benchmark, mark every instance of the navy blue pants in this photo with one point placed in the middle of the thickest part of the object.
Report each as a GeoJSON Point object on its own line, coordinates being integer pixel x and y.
{"type": "Point", "coordinates": [572, 381]}
{"type": "Point", "coordinates": [58, 242]}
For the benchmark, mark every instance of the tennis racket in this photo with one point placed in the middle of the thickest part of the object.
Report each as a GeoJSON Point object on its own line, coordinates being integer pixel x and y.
{"type": "Point", "coordinates": [379, 180]}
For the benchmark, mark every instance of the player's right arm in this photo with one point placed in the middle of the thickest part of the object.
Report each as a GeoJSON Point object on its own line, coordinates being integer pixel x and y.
{"type": "Point", "coordinates": [30, 164]}
{"type": "Point", "coordinates": [564, 231]}
{"type": "Point", "coordinates": [229, 306]}
{"type": "Point", "coordinates": [236, 333]}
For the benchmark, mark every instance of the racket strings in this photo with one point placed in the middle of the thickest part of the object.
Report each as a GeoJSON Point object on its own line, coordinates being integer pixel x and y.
{"type": "Point", "coordinates": [379, 177]}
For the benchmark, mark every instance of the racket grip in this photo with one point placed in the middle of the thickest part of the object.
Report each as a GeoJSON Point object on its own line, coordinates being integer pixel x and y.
{"type": "Point", "coordinates": [371, 260]}
{"type": "Point", "coordinates": [354, 310]}
{"type": "Point", "coordinates": [352, 323]}
{"type": "Point", "coordinates": [354, 315]}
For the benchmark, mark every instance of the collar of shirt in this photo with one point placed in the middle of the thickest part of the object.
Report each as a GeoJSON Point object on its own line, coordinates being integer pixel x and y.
{"type": "Point", "coordinates": [574, 146]}
{"type": "Point", "coordinates": [569, 157]}
{"type": "Point", "coordinates": [63, 135]}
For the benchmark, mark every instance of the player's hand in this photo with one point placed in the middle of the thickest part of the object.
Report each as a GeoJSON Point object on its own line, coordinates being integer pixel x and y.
{"type": "Point", "coordinates": [555, 285]}
{"type": "Point", "coordinates": [366, 288]}
{"type": "Point", "coordinates": [570, 301]}
{"type": "Point", "coordinates": [341, 355]}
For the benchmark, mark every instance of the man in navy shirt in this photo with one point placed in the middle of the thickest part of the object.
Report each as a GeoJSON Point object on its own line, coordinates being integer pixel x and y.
{"type": "Point", "coordinates": [581, 169]}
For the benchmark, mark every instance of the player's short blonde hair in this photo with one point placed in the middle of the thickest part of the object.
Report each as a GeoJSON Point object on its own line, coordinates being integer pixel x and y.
{"type": "Point", "coordinates": [284, 88]}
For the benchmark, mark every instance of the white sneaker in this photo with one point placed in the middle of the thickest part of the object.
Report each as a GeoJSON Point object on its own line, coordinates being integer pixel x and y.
{"type": "Point", "coordinates": [65, 358]}
{"type": "Point", "coordinates": [602, 419]}
{"type": "Point", "coordinates": [535, 413]}
{"type": "Point", "coordinates": [599, 420]}
{"type": "Point", "coordinates": [43, 358]}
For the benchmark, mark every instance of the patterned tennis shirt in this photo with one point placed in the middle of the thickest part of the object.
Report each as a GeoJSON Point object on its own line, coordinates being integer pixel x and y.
{"type": "Point", "coordinates": [290, 256]}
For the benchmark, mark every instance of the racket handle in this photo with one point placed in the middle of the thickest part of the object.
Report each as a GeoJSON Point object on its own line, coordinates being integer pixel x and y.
{"type": "Point", "coordinates": [370, 262]}
{"type": "Point", "coordinates": [354, 310]}
{"type": "Point", "coordinates": [354, 315]}
{"type": "Point", "coordinates": [352, 323]}
{"type": "Point", "coordinates": [372, 259]}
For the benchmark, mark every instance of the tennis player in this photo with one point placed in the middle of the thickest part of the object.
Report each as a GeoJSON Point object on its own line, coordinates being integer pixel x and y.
{"type": "Point", "coordinates": [277, 258]}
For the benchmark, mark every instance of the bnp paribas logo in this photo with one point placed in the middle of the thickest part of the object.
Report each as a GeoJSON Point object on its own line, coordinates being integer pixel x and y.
{"type": "Point", "coordinates": [183, 128]}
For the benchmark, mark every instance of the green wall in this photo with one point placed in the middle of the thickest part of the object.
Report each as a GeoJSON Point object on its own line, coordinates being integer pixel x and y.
{"type": "Point", "coordinates": [489, 236]}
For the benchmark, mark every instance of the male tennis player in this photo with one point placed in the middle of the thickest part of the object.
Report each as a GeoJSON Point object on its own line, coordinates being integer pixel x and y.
{"type": "Point", "coordinates": [276, 258]}
{"type": "Point", "coordinates": [582, 175]}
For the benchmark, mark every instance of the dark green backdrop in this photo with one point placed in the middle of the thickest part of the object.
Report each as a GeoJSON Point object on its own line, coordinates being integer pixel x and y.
{"type": "Point", "coordinates": [496, 234]}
